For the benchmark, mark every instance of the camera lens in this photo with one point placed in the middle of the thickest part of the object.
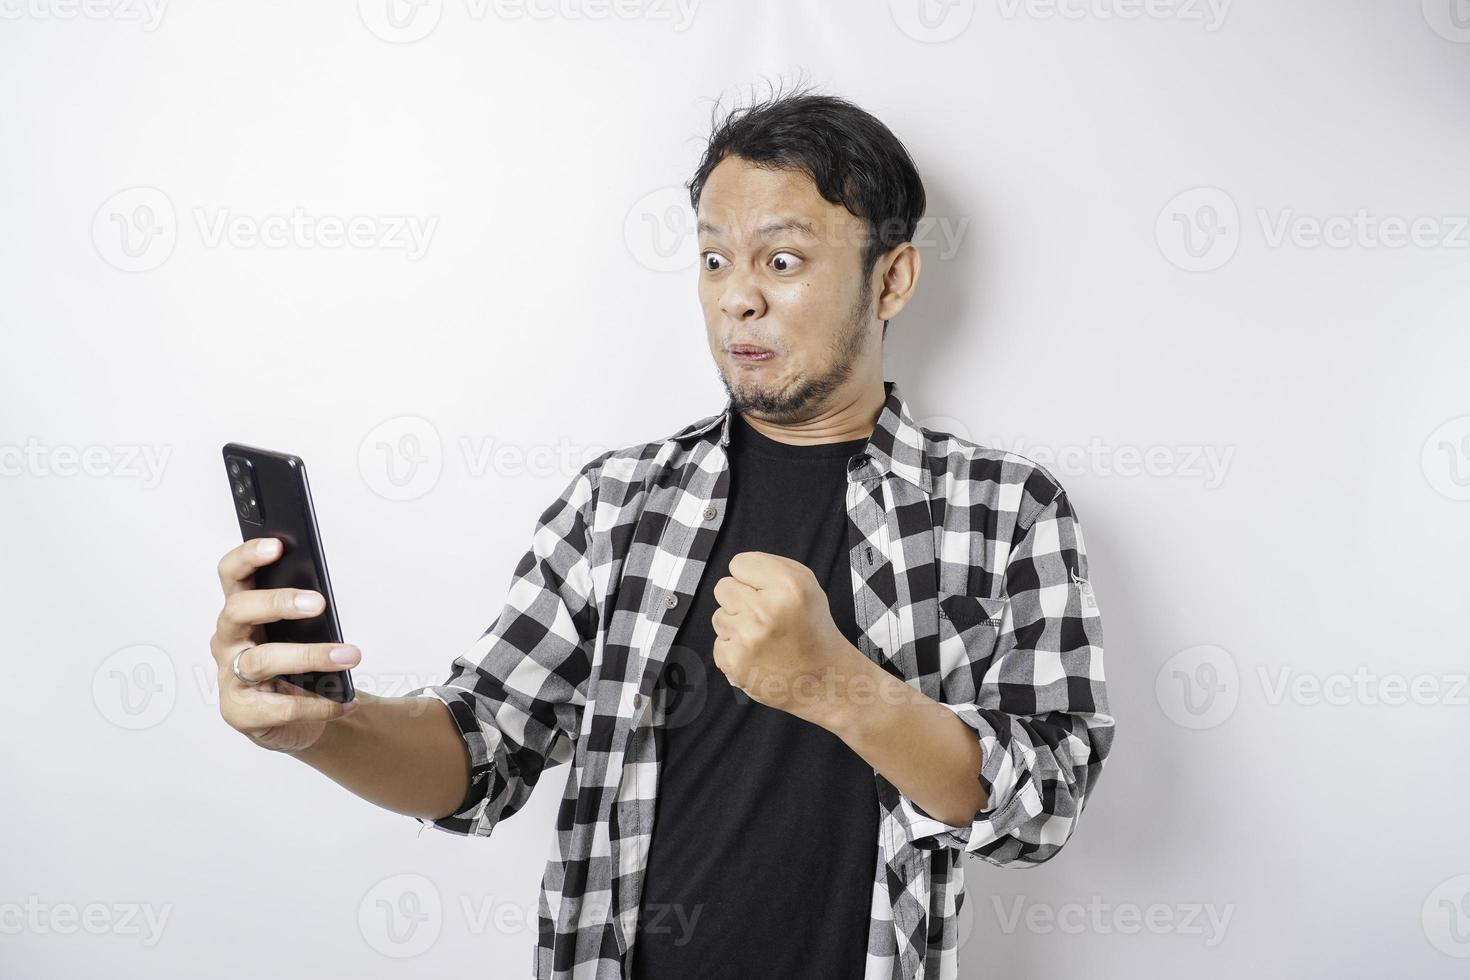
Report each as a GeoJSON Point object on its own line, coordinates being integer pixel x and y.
{"type": "Point", "coordinates": [239, 489]}
{"type": "Point", "coordinates": [243, 508]}
{"type": "Point", "coordinates": [234, 467]}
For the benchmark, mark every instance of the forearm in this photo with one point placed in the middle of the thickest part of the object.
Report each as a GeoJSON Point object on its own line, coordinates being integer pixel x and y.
{"type": "Point", "coordinates": [404, 754]}
{"type": "Point", "coordinates": [918, 745]}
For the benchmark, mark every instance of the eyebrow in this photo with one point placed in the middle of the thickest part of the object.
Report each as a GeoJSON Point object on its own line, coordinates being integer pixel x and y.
{"type": "Point", "coordinates": [768, 228]}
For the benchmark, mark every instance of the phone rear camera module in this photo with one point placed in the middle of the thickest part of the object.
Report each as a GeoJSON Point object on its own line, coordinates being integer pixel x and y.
{"type": "Point", "coordinates": [242, 485]}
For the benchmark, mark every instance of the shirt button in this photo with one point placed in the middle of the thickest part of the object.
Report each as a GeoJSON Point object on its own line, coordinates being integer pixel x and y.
{"type": "Point", "coordinates": [637, 701]}
{"type": "Point", "coordinates": [671, 600]}
{"type": "Point", "coordinates": [709, 512]}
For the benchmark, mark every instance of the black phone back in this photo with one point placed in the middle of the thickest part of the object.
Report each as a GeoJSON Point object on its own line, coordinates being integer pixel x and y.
{"type": "Point", "coordinates": [273, 500]}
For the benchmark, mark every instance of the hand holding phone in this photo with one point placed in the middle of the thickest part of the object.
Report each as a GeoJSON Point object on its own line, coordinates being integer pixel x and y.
{"type": "Point", "coordinates": [279, 616]}
{"type": "Point", "coordinates": [273, 500]}
{"type": "Point", "coordinates": [270, 711]}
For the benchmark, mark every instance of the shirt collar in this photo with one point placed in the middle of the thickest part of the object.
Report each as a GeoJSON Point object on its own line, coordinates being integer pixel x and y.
{"type": "Point", "coordinates": [896, 445]}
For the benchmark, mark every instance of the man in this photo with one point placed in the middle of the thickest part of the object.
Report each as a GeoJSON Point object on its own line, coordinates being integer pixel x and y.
{"type": "Point", "coordinates": [801, 655]}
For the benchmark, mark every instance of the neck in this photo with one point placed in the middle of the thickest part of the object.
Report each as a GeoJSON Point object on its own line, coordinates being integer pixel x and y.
{"type": "Point", "coordinates": [848, 416]}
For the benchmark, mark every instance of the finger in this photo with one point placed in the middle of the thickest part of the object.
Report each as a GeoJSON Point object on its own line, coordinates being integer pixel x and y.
{"type": "Point", "coordinates": [270, 709]}
{"type": "Point", "coordinates": [259, 663]}
{"type": "Point", "coordinates": [237, 567]}
{"type": "Point", "coordinates": [733, 594]}
{"type": "Point", "coordinates": [721, 621]}
{"type": "Point", "coordinates": [252, 607]}
{"type": "Point", "coordinates": [257, 606]}
{"type": "Point", "coordinates": [759, 569]}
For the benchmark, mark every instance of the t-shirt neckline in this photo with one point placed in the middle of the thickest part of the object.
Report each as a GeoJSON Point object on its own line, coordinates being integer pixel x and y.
{"type": "Point", "coordinates": [747, 439]}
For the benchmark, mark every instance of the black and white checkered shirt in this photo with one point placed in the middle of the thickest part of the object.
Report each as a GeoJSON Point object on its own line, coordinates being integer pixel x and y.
{"type": "Point", "coordinates": [970, 583]}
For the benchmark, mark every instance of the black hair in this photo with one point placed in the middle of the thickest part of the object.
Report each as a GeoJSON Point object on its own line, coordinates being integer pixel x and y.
{"type": "Point", "coordinates": [853, 159]}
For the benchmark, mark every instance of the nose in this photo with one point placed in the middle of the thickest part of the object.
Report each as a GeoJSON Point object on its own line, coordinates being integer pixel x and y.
{"type": "Point", "coordinates": [741, 298]}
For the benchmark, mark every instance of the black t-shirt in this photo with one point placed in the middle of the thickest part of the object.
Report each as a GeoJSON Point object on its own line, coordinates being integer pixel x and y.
{"type": "Point", "coordinates": [764, 844]}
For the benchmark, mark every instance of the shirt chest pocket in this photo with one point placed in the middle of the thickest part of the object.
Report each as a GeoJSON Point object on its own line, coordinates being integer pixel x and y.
{"type": "Point", "coordinates": [970, 628]}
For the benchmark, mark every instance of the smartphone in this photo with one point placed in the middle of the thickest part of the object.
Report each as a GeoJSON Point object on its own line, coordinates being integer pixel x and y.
{"type": "Point", "coordinates": [272, 500]}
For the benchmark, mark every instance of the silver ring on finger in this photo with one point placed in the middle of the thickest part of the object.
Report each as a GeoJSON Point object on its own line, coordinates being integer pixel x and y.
{"type": "Point", "coordinates": [235, 667]}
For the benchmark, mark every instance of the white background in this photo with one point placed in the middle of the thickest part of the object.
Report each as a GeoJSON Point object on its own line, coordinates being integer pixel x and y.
{"type": "Point", "coordinates": [1121, 260]}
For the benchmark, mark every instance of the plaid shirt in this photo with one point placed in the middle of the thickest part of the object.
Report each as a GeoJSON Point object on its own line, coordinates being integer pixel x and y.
{"type": "Point", "coordinates": [970, 583]}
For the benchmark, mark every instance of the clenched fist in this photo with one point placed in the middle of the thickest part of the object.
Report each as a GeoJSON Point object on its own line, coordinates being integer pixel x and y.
{"type": "Point", "coordinates": [775, 638]}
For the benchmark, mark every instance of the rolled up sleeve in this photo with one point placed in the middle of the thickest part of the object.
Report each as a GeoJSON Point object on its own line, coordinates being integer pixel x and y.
{"type": "Point", "coordinates": [517, 694]}
{"type": "Point", "coordinates": [1041, 712]}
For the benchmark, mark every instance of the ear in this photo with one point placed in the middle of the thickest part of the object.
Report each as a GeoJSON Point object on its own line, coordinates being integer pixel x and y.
{"type": "Point", "coordinates": [901, 267]}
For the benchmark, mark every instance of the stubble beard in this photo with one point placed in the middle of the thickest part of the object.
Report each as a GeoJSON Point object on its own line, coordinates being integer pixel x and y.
{"type": "Point", "coordinates": [804, 396]}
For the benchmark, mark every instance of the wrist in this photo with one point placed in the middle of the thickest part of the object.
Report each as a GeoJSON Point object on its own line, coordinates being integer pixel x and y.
{"type": "Point", "coordinates": [851, 699]}
{"type": "Point", "coordinates": [335, 733]}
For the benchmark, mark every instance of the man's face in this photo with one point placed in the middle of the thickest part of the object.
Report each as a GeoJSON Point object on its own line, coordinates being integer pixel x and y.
{"type": "Point", "coordinates": [780, 268]}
